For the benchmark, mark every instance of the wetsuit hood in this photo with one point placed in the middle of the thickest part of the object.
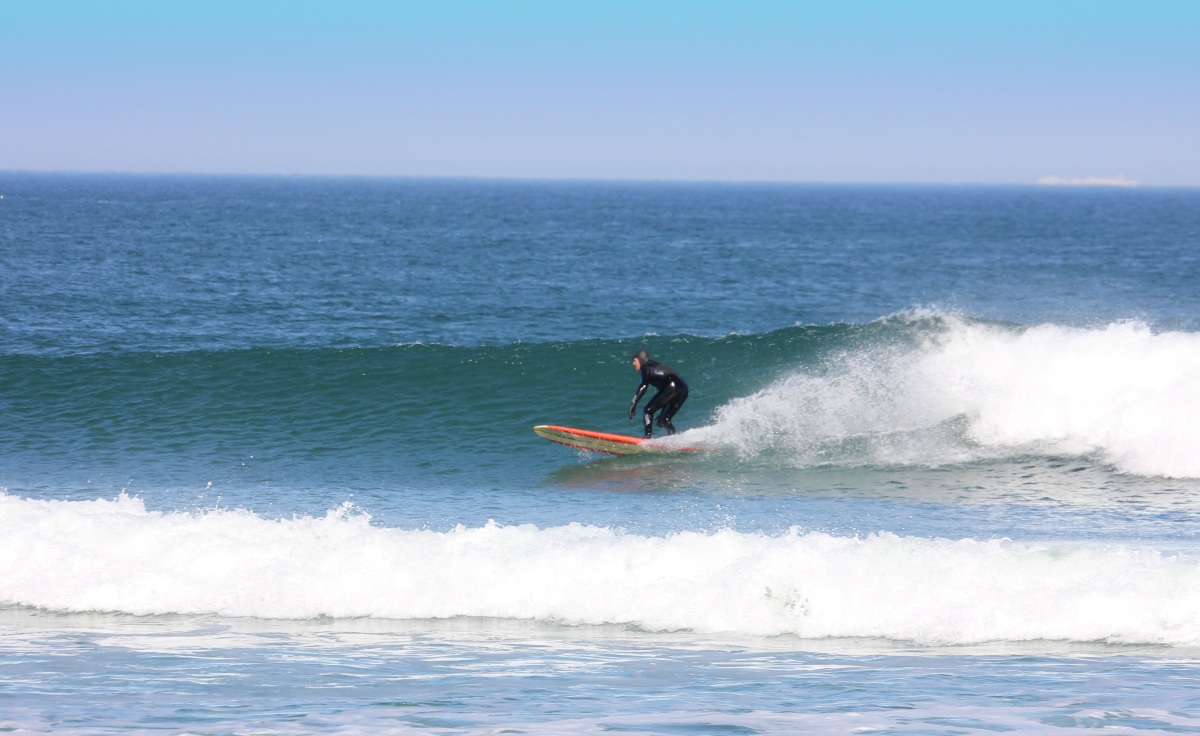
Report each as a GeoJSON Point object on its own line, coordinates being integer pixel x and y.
{"type": "Point", "coordinates": [642, 357]}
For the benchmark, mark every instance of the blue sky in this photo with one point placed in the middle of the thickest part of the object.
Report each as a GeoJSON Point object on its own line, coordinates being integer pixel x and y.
{"type": "Point", "coordinates": [1004, 92]}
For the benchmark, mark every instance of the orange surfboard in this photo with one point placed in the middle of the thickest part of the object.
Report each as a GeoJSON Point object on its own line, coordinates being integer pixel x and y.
{"type": "Point", "coordinates": [610, 444]}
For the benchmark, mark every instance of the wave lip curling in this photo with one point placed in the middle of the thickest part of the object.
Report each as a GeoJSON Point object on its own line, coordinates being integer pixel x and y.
{"type": "Point", "coordinates": [969, 391]}
{"type": "Point", "coordinates": [117, 556]}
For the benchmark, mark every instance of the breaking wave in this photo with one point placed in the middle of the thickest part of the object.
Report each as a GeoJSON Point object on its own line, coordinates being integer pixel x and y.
{"type": "Point", "coordinates": [117, 556]}
{"type": "Point", "coordinates": [964, 391]}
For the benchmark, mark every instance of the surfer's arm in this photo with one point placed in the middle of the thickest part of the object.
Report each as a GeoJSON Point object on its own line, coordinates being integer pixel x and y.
{"type": "Point", "coordinates": [637, 397]}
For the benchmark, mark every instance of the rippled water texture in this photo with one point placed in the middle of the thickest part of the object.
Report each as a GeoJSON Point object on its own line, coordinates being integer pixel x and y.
{"type": "Point", "coordinates": [266, 459]}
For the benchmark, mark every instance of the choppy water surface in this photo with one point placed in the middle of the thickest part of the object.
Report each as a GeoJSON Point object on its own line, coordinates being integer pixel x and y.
{"type": "Point", "coordinates": [267, 465]}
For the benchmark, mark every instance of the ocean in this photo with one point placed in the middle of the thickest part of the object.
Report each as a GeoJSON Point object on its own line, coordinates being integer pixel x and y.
{"type": "Point", "coordinates": [267, 462]}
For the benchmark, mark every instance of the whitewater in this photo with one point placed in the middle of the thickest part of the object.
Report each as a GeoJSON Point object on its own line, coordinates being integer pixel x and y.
{"type": "Point", "coordinates": [117, 556]}
{"type": "Point", "coordinates": [1123, 393]}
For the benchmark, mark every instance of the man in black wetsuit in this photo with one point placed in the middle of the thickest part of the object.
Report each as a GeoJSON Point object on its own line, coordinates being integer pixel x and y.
{"type": "Point", "coordinates": [672, 392]}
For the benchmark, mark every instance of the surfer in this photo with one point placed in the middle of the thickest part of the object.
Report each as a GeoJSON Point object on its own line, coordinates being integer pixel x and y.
{"type": "Point", "coordinates": [672, 392]}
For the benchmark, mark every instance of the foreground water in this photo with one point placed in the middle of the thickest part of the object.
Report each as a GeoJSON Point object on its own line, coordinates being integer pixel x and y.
{"type": "Point", "coordinates": [267, 465]}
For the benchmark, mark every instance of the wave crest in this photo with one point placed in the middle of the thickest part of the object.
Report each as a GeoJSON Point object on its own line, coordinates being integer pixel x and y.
{"type": "Point", "coordinates": [967, 391]}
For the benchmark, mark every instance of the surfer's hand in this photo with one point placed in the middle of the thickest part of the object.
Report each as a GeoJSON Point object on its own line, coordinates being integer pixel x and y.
{"type": "Point", "coordinates": [632, 407]}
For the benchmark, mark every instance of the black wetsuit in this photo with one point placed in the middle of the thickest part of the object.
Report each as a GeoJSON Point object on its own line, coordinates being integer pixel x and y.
{"type": "Point", "coordinates": [672, 392]}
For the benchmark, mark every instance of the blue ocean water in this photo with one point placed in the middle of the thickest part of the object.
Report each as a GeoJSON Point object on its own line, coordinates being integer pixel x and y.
{"type": "Point", "coordinates": [266, 459]}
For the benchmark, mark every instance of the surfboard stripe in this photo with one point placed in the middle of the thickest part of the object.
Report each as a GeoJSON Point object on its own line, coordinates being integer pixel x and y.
{"type": "Point", "coordinates": [599, 435]}
{"type": "Point", "coordinates": [609, 444]}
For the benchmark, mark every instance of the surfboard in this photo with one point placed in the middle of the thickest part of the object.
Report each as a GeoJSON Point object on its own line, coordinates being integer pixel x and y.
{"type": "Point", "coordinates": [609, 444]}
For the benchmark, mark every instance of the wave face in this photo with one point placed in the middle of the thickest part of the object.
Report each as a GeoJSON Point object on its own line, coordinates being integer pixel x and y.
{"type": "Point", "coordinates": [117, 556]}
{"type": "Point", "coordinates": [966, 391]}
{"type": "Point", "coordinates": [913, 390]}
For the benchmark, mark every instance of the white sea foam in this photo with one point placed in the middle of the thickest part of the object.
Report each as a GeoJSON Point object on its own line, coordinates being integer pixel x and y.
{"type": "Point", "coordinates": [1069, 719]}
{"type": "Point", "coordinates": [117, 556]}
{"type": "Point", "coordinates": [1122, 393]}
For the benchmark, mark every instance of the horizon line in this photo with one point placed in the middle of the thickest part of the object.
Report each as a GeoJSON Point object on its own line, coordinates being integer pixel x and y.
{"type": "Point", "coordinates": [1044, 182]}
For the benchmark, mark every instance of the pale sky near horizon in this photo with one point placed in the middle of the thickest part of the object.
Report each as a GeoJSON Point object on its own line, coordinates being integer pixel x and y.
{"type": "Point", "coordinates": [950, 92]}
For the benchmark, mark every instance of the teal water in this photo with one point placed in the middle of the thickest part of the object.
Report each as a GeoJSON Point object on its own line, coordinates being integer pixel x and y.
{"type": "Point", "coordinates": [266, 460]}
